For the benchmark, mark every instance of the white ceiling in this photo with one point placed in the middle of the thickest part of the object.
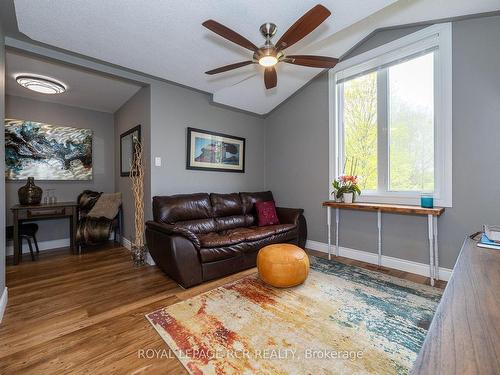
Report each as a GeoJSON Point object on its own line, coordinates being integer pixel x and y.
{"type": "Point", "coordinates": [85, 89]}
{"type": "Point", "coordinates": [166, 39]}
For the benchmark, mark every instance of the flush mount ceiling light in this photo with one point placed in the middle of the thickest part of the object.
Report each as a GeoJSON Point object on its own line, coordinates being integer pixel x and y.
{"type": "Point", "coordinates": [41, 84]}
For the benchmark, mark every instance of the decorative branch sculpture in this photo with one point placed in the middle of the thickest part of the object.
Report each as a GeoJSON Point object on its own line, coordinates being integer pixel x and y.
{"type": "Point", "coordinates": [137, 179]}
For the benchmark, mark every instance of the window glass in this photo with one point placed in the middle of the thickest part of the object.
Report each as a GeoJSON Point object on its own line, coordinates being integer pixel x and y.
{"type": "Point", "coordinates": [411, 125]}
{"type": "Point", "coordinates": [360, 129]}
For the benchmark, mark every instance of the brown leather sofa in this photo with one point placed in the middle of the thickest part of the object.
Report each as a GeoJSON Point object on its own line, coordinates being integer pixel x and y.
{"type": "Point", "coordinates": [200, 237]}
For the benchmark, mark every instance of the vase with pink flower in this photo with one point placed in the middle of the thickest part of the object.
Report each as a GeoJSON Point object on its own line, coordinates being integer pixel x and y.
{"type": "Point", "coordinates": [345, 188]}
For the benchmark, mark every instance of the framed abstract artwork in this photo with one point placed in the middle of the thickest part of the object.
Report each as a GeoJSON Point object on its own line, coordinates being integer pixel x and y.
{"type": "Point", "coordinates": [127, 147]}
{"type": "Point", "coordinates": [47, 152]}
{"type": "Point", "coordinates": [212, 151]}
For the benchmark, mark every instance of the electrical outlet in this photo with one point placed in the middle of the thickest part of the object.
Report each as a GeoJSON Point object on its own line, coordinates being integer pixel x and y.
{"type": "Point", "coordinates": [157, 161]}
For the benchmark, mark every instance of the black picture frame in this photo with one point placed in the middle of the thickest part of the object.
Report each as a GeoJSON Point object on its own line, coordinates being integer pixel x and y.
{"type": "Point", "coordinates": [240, 168]}
{"type": "Point", "coordinates": [128, 137]}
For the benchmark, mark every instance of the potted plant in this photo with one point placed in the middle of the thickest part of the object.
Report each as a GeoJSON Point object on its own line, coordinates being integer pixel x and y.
{"type": "Point", "coordinates": [345, 188]}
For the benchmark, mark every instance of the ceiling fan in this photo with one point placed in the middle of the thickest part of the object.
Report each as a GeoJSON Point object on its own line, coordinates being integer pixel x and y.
{"type": "Point", "coordinates": [270, 54]}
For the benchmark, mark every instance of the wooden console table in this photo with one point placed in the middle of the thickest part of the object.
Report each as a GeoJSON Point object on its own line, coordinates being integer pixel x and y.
{"type": "Point", "coordinates": [464, 336]}
{"type": "Point", "coordinates": [431, 213]}
{"type": "Point", "coordinates": [44, 212]}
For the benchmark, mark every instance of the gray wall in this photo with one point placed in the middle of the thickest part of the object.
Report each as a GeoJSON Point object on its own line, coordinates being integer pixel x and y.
{"type": "Point", "coordinates": [102, 153]}
{"type": "Point", "coordinates": [173, 109]}
{"type": "Point", "coordinates": [297, 153]}
{"type": "Point", "coordinates": [2, 164]}
{"type": "Point", "coordinates": [165, 111]}
{"type": "Point", "coordinates": [136, 111]}
{"type": "Point", "coordinates": [298, 174]}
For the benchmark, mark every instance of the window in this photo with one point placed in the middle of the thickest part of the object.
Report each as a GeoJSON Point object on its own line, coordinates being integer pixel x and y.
{"type": "Point", "coordinates": [411, 125]}
{"type": "Point", "coordinates": [390, 119]}
{"type": "Point", "coordinates": [360, 128]}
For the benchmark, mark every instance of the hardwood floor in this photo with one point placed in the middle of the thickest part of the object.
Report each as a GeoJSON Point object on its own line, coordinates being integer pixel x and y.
{"type": "Point", "coordinates": [79, 314]}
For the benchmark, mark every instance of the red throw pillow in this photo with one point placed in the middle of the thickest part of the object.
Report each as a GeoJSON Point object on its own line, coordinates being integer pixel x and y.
{"type": "Point", "coordinates": [266, 213]}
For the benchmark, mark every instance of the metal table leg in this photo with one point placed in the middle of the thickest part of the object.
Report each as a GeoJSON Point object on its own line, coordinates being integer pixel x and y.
{"type": "Point", "coordinates": [379, 224]}
{"type": "Point", "coordinates": [328, 225]}
{"type": "Point", "coordinates": [430, 226]}
{"type": "Point", "coordinates": [337, 218]}
{"type": "Point", "coordinates": [436, 249]}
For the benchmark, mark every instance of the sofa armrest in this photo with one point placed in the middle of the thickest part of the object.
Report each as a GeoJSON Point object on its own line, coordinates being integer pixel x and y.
{"type": "Point", "coordinates": [175, 255]}
{"type": "Point", "coordinates": [174, 230]}
{"type": "Point", "coordinates": [294, 216]}
{"type": "Point", "coordinates": [289, 215]}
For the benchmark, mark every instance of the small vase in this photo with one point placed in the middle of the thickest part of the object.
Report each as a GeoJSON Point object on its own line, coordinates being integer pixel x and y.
{"type": "Point", "coordinates": [139, 255]}
{"type": "Point", "coordinates": [348, 197]}
{"type": "Point", "coordinates": [30, 194]}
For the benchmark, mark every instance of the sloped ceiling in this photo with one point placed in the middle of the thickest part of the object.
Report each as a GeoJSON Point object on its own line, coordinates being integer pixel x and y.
{"type": "Point", "coordinates": [165, 38]}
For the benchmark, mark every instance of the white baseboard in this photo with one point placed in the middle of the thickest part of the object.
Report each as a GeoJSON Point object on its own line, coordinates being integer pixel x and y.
{"type": "Point", "coordinates": [387, 261]}
{"type": "Point", "coordinates": [128, 245]}
{"type": "Point", "coordinates": [3, 303]}
{"type": "Point", "coordinates": [42, 245]}
{"type": "Point", "coordinates": [150, 260]}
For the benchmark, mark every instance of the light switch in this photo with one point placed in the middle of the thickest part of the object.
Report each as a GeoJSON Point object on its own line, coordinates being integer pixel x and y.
{"type": "Point", "coordinates": [157, 161]}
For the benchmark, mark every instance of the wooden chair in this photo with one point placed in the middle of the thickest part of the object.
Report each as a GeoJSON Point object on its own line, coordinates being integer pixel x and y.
{"type": "Point", "coordinates": [28, 232]}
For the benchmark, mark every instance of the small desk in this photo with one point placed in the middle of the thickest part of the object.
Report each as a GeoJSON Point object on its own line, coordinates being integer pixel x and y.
{"type": "Point", "coordinates": [44, 212]}
{"type": "Point", "coordinates": [464, 336]}
{"type": "Point", "coordinates": [431, 213]}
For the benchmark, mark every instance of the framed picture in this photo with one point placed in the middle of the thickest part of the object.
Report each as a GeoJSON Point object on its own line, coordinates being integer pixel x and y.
{"type": "Point", "coordinates": [127, 146]}
{"type": "Point", "coordinates": [47, 152]}
{"type": "Point", "coordinates": [210, 151]}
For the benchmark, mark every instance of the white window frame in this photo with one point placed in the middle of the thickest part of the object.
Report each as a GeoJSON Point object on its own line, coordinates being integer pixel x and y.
{"type": "Point", "coordinates": [438, 37]}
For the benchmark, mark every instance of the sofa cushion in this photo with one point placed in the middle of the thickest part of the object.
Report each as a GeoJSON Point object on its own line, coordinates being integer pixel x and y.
{"type": "Point", "coordinates": [259, 233]}
{"type": "Point", "coordinates": [213, 254]}
{"type": "Point", "coordinates": [245, 248]}
{"type": "Point", "coordinates": [198, 226]}
{"type": "Point", "coordinates": [238, 235]}
{"type": "Point", "coordinates": [230, 222]}
{"type": "Point", "coordinates": [215, 239]}
{"type": "Point", "coordinates": [182, 207]}
{"type": "Point", "coordinates": [226, 204]}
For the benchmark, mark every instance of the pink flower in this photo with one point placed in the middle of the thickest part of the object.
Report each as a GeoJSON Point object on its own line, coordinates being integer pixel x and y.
{"type": "Point", "coordinates": [348, 180]}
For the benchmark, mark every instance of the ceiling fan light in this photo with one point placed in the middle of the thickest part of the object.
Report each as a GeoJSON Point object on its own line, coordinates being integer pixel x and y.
{"type": "Point", "coordinates": [40, 84]}
{"type": "Point", "coordinates": [268, 61]}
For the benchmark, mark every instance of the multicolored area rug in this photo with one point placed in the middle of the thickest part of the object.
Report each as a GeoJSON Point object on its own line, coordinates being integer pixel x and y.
{"type": "Point", "coordinates": [342, 320]}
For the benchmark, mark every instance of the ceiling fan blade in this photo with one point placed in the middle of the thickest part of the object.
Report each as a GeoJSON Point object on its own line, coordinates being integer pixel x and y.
{"type": "Point", "coordinates": [270, 77]}
{"type": "Point", "coordinates": [229, 34]}
{"type": "Point", "coordinates": [303, 26]}
{"type": "Point", "coordinates": [312, 61]}
{"type": "Point", "coordinates": [229, 67]}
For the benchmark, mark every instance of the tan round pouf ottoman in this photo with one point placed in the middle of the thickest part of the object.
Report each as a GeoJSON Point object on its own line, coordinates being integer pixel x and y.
{"type": "Point", "coordinates": [282, 265]}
